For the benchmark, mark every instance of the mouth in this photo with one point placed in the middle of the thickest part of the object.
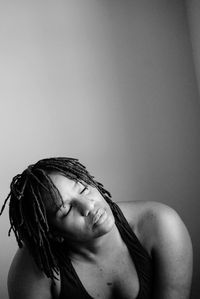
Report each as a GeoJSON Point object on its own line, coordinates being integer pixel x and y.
{"type": "Point", "coordinates": [99, 217]}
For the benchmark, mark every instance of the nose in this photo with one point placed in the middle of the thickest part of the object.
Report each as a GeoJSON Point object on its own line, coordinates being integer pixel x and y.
{"type": "Point", "coordinates": [84, 205]}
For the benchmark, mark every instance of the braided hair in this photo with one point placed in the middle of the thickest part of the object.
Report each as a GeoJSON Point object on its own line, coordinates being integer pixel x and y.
{"type": "Point", "coordinates": [27, 213]}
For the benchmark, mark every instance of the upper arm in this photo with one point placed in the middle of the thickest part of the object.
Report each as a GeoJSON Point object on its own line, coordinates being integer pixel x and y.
{"type": "Point", "coordinates": [25, 280]}
{"type": "Point", "coordinates": [172, 254]}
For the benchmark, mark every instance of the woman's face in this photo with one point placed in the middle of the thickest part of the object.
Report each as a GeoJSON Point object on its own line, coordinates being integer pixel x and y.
{"type": "Point", "coordinates": [84, 213]}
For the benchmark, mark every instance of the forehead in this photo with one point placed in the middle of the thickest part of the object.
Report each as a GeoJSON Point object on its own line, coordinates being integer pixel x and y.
{"type": "Point", "coordinates": [61, 182]}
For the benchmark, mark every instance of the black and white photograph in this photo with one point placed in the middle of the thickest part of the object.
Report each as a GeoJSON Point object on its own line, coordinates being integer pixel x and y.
{"type": "Point", "coordinates": [100, 149]}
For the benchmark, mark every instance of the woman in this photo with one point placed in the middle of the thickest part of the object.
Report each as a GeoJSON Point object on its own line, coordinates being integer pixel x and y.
{"type": "Point", "coordinates": [75, 242]}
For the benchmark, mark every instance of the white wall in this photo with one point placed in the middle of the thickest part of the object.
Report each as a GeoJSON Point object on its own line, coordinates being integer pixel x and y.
{"type": "Point", "coordinates": [110, 82]}
{"type": "Point", "coordinates": [193, 12]}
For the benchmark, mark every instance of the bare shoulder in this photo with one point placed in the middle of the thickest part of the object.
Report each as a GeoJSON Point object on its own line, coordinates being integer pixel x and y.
{"type": "Point", "coordinates": [25, 280]}
{"type": "Point", "coordinates": [153, 220]}
{"type": "Point", "coordinates": [165, 236]}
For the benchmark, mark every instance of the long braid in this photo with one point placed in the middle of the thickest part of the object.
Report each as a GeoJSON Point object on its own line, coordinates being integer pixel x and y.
{"type": "Point", "coordinates": [27, 213]}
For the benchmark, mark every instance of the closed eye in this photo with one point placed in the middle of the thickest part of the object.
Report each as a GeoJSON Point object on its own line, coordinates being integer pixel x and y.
{"type": "Point", "coordinates": [85, 188]}
{"type": "Point", "coordinates": [63, 210]}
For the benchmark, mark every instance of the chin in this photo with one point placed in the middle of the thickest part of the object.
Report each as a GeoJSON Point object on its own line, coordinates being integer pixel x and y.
{"type": "Point", "coordinates": [105, 227]}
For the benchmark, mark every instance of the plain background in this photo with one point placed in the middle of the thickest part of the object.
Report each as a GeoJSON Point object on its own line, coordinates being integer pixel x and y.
{"type": "Point", "coordinates": [113, 83]}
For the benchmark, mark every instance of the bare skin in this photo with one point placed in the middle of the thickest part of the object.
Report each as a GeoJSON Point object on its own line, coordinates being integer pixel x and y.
{"type": "Point", "coordinates": [158, 227]}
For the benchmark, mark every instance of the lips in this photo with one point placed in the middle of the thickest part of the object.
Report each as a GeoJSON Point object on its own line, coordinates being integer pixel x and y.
{"type": "Point", "coordinates": [99, 216]}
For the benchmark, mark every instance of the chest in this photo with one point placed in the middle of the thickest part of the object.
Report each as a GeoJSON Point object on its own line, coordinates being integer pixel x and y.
{"type": "Point", "coordinates": [115, 279]}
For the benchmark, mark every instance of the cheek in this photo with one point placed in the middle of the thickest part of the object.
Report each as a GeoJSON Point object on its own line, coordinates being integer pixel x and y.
{"type": "Point", "coordinates": [75, 231]}
{"type": "Point", "coordinates": [70, 225]}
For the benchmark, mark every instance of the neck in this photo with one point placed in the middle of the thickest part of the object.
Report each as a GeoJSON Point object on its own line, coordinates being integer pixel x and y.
{"type": "Point", "coordinates": [97, 249]}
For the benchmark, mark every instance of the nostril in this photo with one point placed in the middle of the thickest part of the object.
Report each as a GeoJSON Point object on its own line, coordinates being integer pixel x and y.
{"type": "Point", "coordinates": [85, 207]}
{"type": "Point", "coordinates": [89, 211]}
{"type": "Point", "coordinates": [86, 213]}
